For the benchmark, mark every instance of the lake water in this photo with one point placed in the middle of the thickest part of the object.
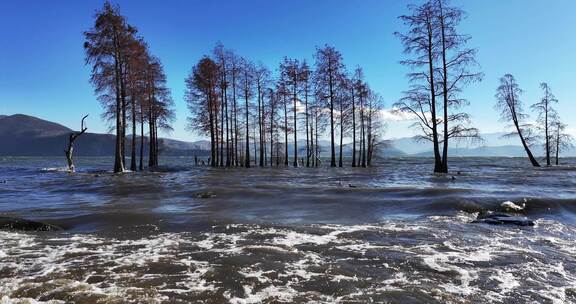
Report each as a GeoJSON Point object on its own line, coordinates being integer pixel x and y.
{"type": "Point", "coordinates": [394, 233]}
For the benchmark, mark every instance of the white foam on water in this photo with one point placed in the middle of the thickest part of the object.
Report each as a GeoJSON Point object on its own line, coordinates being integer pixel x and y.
{"type": "Point", "coordinates": [292, 239]}
{"type": "Point", "coordinates": [507, 281]}
{"type": "Point", "coordinates": [456, 266]}
{"type": "Point", "coordinates": [55, 169]}
{"type": "Point", "coordinates": [7, 300]}
{"type": "Point", "coordinates": [282, 294]}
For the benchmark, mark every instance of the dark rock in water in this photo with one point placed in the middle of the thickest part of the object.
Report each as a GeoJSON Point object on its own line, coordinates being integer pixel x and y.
{"type": "Point", "coordinates": [10, 223]}
{"type": "Point", "coordinates": [205, 195]}
{"type": "Point", "coordinates": [497, 218]}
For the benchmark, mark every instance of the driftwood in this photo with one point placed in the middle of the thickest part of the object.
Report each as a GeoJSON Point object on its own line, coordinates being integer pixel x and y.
{"type": "Point", "coordinates": [72, 139]}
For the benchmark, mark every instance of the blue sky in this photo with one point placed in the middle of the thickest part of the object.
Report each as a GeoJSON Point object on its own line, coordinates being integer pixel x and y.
{"type": "Point", "coordinates": [42, 71]}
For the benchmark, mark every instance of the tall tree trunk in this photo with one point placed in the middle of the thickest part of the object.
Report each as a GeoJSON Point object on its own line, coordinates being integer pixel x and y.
{"type": "Point", "coordinates": [546, 133]}
{"type": "Point", "coordinates": [370, 139]}
{"type": "Point", "coordinates": [525, 145]}
{"type": "Point", "coordinates": [124, 106]}
{"type": "Point", "coordinates": [235, 109]}
{"type": "Point", "coordinates": [118, 161]}
{"type": "Point", "coordinates": [317, 147]}
{"type": "Point", "coordinates": [353, 130]}
{"type": "Point", "coordinates": [247, 156]}
{"type": "Point", "coordinates": [272, 104]}
{"type": "Point", "coordinates": [444, 167]}
{"type": "Point", "coordinates": [216, 130]}
{"type": "Point", "coordinates": [212, 130]}
{"type": "Point", "coordinates": [438, 164]}
{"type": "Point", "coordinates": [331, 88]}
{"type": "Point", "coordinates": [151, 143]}
{"type": "Point", "coordinates": [260, 124]}
{"type": "Point", "coordinates": [557, 144]}
{"type": "Point", "coordinates": [225, 98]}
{"type": "Point", "coordinates": [340, 164]}
{"type": "Point", "coordinates": [294, 95]}
{"type": "Point", "coordinates": [254, 145]}
{"type": "Point", "coordinates": [141, 165]}
{"type": "Point", "coordinates": [307, 126]}
{"type": "Point", "coordinates": [285, 132]}
{"type": "Point", "coordinates": [133, 147]}
{"type": "Point", "coordinates": [363, 131]}
{"type": "Point", "coordinates": [222, 133]}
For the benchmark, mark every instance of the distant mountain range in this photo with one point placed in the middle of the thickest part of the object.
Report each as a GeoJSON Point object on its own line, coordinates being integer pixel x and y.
{"type": "Point", "coordinates": [23, 135]}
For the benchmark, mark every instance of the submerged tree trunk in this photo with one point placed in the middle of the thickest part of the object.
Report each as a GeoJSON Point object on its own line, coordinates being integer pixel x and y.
{"type": "Point", "coordinates": [340, 164]}
{"type": "Point", "coordinates": [134, 136]}
{"type": "Point", "coordinates": [285, 132]}
{"type": "Point", "coordinates": [212, 131]}
{"type": "Point", "coordinates": [123, 94]}
{"type": "Point", "coordinates": [332, 148]}
{"type": "Point", "coordinates": [353, 130]}
{"type": "Point", "coordinates": [295, 164]}
{"type": "Point", "coordinates": [222, 133]}
{"type": "Point", "coordinates": [235, 110]}
{"type": "Point", "coordinates": [260, 124]}
{"type": "Point", "coordinates": [227, 129]}
{"type": "Point", "coordinates": [70, 150]}
{"type": "Point", "coordinates": [307, 126]}
{"type": "Point", "coordinates": [557, 143]}
{"type": "Point", "coordinates": [525, 145]}
{"type": "Point", "coordinates": [547, 134]}
{"type": "Point", "coordinates": [317, 147]}
{"type": "Point", "coordinates": [247, 156]}
{"type": "Point", "coordinates": [141, 165]}
{"type": "Point", "coordinates": [557, 146]}
{"type": "Point", "coordinates": [118, 161]}
{"type": "Point", "coordinates": [272, 103]}
{"type": "Point", "coordinates": [444, 167]}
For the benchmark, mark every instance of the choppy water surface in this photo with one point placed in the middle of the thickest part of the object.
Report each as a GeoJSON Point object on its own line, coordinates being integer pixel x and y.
{"type": "Point", "coordinates": [389, 234]}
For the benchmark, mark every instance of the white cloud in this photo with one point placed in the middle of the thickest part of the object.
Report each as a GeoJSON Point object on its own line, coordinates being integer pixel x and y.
{"type": "Point", "coordinates": [395, 116]}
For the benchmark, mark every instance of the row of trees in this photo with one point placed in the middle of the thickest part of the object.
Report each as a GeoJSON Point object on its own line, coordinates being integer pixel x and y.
{"type": "Point", "coordinates": [249, 114]}
{"type": "Point", "coordinates": [441, 66]}
{"type": "Point", "coordinates": [548, 129]}
{"type": "Point", "coordinates": [130, 84]}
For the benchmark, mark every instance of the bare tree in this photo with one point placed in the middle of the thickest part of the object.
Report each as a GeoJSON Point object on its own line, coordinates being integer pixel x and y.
{"type": "Point", "coordinates": [71, 140]}
{"type": "Point", "coordinates": [272, 116]}
{"type": "Point", "coordinates": [355, 83]}
{"type": "Point", "coordinates": [201, 96]}
{"type": "Point", "coordinates": [160, 107]}
{"type": "Point", "coordinates": [545, 111]}
{"type": "Point", "coordinates": [560, 140]}
{"type": "Point", "coordinates": [512, 110]}
{"type": "Point", "coordinates": [375, 124]}
{"type": "Point", "coordinates": [247, 80]}
{"type": "Point", "coordinates": [343, 101]}
{"type": "Point", "coordinates": [262, 79]}
{"type": "Point", "coordinates": [136, 87]}
{"type": "Point", "coordinates": [234, 74]}
{"type": "Point", "coordinates": [221, 57]}
{"type": "Point", "coordinates": [329, 69]}
{"type": "Point", "coordinates": [290, 76]}
{"type": "Point", "coordinates": [305, 74]}
{"type": "Point", "coordinates": [105, 47]}
{"type": "Point", "coordinates": [420, 100]}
